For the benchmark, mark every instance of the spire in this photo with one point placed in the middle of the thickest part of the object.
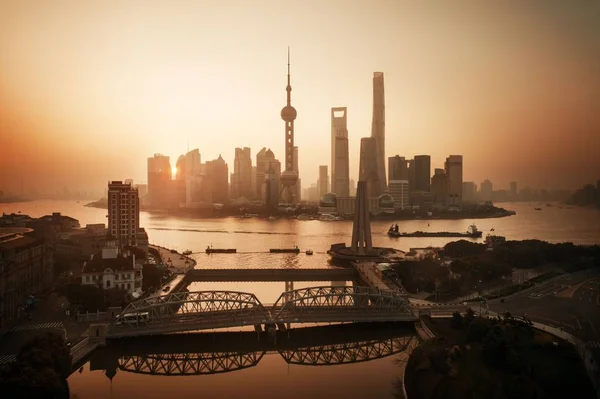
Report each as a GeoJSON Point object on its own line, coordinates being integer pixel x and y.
{"type": "Point", "coordinates": [289, 85]}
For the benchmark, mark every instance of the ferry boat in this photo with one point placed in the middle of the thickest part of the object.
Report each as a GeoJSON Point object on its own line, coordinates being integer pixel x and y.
{"type": "Point", "coordinates": [309, 252]}
{"type": "Point", "coordinates": [187, 252]}
{"type": "Point", "coordinates": [472, 232]}
{"type": "Point", "coordinates": [294, 250]}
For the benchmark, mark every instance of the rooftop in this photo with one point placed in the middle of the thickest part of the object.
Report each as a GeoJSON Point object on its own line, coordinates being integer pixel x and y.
{"type": "Point", "coordinates": [97, 264]}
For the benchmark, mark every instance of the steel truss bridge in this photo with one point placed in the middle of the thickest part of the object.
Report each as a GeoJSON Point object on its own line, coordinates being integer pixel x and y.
{"type": "Point", "coordinates": [201, 310]}
{"type": "Point", "coordinates": [203, 363]}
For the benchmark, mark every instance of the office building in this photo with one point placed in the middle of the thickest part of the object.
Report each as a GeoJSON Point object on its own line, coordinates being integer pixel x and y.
{"type": "Point", "coordinates": [487, 190]}
{"type": "Point", "coordinates": [323, 181]}
{"type": "Point", "coordinates": [298, 186]}
{"type": "Point", "coordinates": [159, 180]}
{"type": "Point", "coordinates": [412, 176]}
{"type": "Point", "coordinates": [422, 173]}
{"type": "Point", "coordinates": [217, 178]}
{"type": "Point", "coordinates": [272, 183]}
{"type": "Point", "coordinates": [397, 168]}
{"type": "Point", "coordinates": [368, 171]}
{"type": "Point", "coordinates": [439, 187]}
{"type": "Point", "coordinates": [241, 178]}
{"type": "Point", "coordinates": [454, 173]}
{"type": "Point", "coordinates": [378, 128]}
{"type": "Point", "coordinates": [123, 212]}
{"type": "Point", "coordinates": [469, 191]}
{"type": "Point", "coordinates": [26, 268]}
{"type": "Point", "coordinates": [340, 158]}
{"type": "Point", "coordinates": [262, 157]}
{"type": "Point", "coordinates": [399, 191]}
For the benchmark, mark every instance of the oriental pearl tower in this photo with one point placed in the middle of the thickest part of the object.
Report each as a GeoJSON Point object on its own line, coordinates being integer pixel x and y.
{"type": "Point", "coordinates": [289, 177]}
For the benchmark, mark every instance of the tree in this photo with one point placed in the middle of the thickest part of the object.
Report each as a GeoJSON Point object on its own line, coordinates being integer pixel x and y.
{"type": "Point", "coordinates": [40, 371]}
{"type": "Point", "coordinates": [456, 321]}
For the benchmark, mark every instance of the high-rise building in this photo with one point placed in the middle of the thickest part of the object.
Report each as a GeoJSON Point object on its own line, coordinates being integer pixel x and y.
{"type": "Point", "coordinates": [368, 167]}
{"type": "Point", "coordinates": [469, 191]}
{"type": "Point", "coordinates": [399, 192]}
{"type": "Point", "coordinates": [262, 157]}
{"type": "Point", "coordinates": [323, 181]}
{"type": "Point", "coordinates": [289, 177]}
{"type": "Point", "coordinates": [123, 212]}
{"type": "Point", "coordinates": [513, 189]}
{"type": "Point", "coordinates": [218, 180]}
{"type": "Point", "coordinates": [422, 173]}
{"type": "Point", "coordinates": [272, 183]}
{"type": "Point", "coordinates": [412, 176]}
{"type": "Point", "coordinates": [454, 172]}
{"type": "Point", "coordinates": [378, 127]}
{"type": "Point", "coordinates": [487, 190]}
{"type": "Point", "coordinates": [298, 186]}
{"type": "Point", "coordinates": [159, 180]}
{"type": "Point", "coordinates": [241, 178]}
{"type": "Point", "coordinates": [397, 168]}
{"type": "Point", "coordinates": [439, 187]}
{"type": "Point", "coordinates": [340, 164]}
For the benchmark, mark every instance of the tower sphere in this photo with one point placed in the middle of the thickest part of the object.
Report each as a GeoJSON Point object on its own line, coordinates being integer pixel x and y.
{"type": "Point", "coordinates": [288, 113]}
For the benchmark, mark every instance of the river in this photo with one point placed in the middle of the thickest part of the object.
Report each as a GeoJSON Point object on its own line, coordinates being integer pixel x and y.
{"type": "Point", "coordinates": [273, 376]}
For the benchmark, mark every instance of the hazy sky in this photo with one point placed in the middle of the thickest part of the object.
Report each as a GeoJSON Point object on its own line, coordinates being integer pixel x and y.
{"type": "Point", "coordinates": [90, 89]}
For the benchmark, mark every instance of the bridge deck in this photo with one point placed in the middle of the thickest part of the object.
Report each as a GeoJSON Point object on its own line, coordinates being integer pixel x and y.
{"type": "Point", "coordinates": [329, 274]}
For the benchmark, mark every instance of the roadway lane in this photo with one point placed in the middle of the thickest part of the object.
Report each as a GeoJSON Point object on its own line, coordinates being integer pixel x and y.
{"type": "Point", "coordinates": [571, 302]}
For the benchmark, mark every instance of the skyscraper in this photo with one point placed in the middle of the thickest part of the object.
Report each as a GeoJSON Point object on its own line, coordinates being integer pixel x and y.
{"type": "Point", "coordinates": [241, 179]}
{"type": "Point", "coordinates": [322, 184]}
{"type": "Point", "coordinates": [487, 190]}
{"type": "Point", "coordinates": [272, 182]}
{"type": "Point", "coordinates": [439, 187]}
{"type": "Point", "coordinates": [513, 189]}
{"type": "Point", "coordinates": [397, 168]}
{"type": "Point", "coordinates": [423, 173]}
{"type": "Point", "coordinates": [218, 180]}
{"type": "Point", "coordinates": [378, 127]}
{"type": "Point", "coordinates": [340, 164]}
{"type": "Point", "coordinates": [159, 179]}
{"type": "Point", "coordinates": [264, 155]}
{"type": "Point", "coordinates": [123, 212]}
{"type": "Point", "coordinates": [454, 172]}
{"type": "Point", "coordinates": [193, 177]}
{"type": "Point", "coordinates": [368, 166]}
{"type": "Point", "coordinates": [289, 177]}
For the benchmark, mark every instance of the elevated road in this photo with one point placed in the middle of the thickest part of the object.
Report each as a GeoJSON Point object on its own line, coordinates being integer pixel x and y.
{"type": "Point", "coordinates": [329, 274]}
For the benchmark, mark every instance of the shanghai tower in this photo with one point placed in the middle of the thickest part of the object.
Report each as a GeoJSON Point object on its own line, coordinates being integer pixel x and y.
{"type": "Point", "coordinates": [378, 127]}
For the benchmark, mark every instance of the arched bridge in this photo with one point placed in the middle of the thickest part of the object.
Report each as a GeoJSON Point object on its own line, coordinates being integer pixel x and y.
{"type": "Point", "coordinates": [191, 311]}
{"type": "Point", "coordinates": [202, 363]}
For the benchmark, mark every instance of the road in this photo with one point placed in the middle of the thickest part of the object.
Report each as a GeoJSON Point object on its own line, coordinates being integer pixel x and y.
{"type": "Point", "coordinates": [571, 302]}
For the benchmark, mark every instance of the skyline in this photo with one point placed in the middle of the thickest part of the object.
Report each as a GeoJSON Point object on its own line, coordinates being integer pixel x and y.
{"type": "Point", "coordinates": [83, 85]}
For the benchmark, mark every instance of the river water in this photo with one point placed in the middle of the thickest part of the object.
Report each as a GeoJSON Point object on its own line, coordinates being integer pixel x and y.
{"type": "Point", "coordinates": [273, 376]}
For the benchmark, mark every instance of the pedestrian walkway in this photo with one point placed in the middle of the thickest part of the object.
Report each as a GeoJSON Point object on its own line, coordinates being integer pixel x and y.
{"type": "Point", "coordinates": [7, 359]}
{"type": "Point", "coordinates": [39, 326]}
{"type": "Point", "coordinates": [593, 344]}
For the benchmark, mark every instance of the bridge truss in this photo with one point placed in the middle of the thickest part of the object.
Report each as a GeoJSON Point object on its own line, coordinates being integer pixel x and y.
{"type": "Point", "coordinates": [179, 364]}
{"type": "Point", "coordinates": [197, 303]}
{"type": "Point", "coordinates": [345, 353]}
{"type": "Point", "coordinates": [344, 298]}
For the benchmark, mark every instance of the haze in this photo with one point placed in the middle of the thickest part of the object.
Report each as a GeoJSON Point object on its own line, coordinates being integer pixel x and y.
{"type": "Point", "coordinates": [90, 89]}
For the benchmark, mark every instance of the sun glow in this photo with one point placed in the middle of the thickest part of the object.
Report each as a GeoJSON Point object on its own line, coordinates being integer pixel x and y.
{"type": "Point", "coordinates": [174, 172]}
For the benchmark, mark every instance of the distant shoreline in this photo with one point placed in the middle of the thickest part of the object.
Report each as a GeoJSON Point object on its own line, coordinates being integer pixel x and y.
{"type": "Point", "coordinates": [210, 214]}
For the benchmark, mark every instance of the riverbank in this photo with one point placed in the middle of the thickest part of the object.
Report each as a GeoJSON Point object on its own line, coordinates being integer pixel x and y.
{"type": "Point", "coordinates": [500, 358]}
{"type": "Point", "coordinates": [473, 212]}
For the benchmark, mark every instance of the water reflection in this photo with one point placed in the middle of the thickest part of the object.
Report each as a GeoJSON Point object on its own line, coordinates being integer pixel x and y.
{"type": "Point", "coordinates": [223, 352]}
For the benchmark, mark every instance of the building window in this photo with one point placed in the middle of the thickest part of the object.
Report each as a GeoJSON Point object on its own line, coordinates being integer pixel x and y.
{"type": "Point", "coordinates": [128, 286]}
{"type": "Point", "coordinates": [107, 283]}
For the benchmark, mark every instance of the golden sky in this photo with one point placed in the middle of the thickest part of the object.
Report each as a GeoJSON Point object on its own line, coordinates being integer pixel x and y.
{"type": "Point", "coordinates": [89, 89]}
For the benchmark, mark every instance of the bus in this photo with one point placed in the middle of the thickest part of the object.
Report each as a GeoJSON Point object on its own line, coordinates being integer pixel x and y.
{"type": "Point", "coordinates": [133, 318]}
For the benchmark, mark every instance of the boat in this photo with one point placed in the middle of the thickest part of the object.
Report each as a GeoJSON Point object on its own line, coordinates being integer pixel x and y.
{"type": "Point", "coordinates": [211, 250]}
{"type": "Point", "coordinates": [272, 218]}
{"type": "Point", "coordinates": [294, 250]}
{"type": "Point", "coordinates": [309, 252]}
{"type": "Point", "coordinates": [327, 217]}
{"type": "Point", "coordinates": [187, 252]}
{"type": "Point", "coordinates": [305, 216]}
{"type": "Point", "coordinates": [472, 232]}
{"type": "Point", "coordinates": [537, 209]}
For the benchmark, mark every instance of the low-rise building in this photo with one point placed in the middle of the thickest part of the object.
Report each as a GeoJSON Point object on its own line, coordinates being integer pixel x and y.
{"type": "Point", "coordinates": [112, 268]}
{"type": "Point", "coordinates": [26, 270]}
